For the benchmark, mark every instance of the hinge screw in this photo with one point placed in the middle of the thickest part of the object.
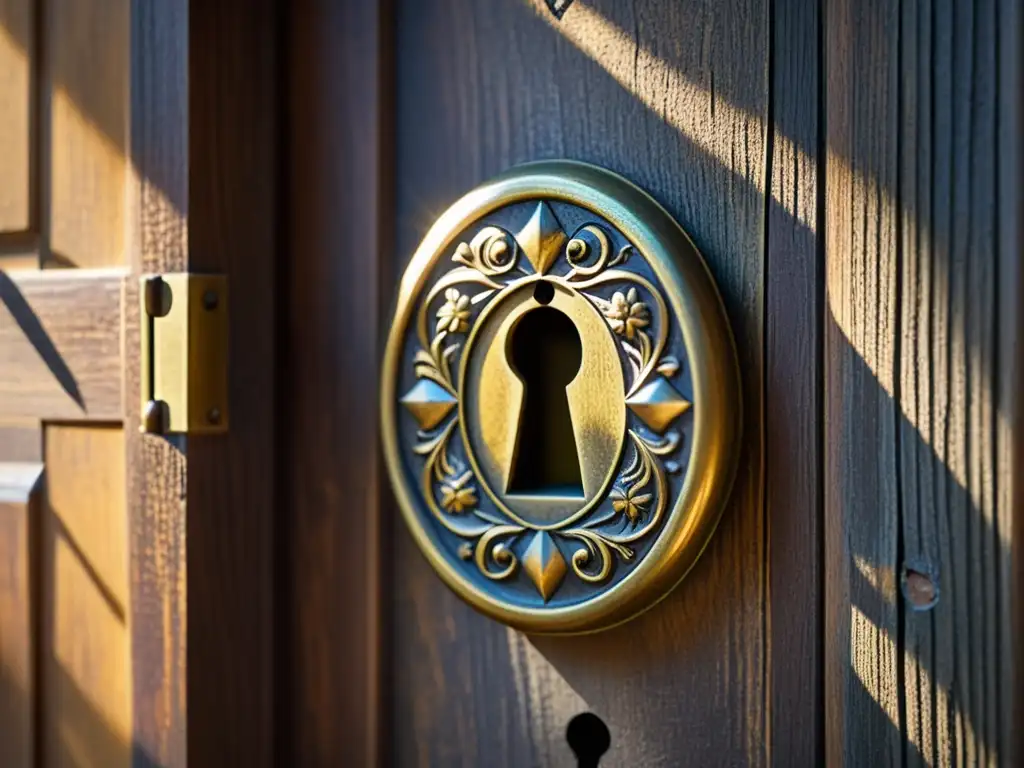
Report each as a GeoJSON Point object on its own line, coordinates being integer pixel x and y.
{"type": "Point", "coordinates": [158, 297]}
{"type": "Point", "coordinates": [213, 416]}
{"type": "Point", "coordinates": [156, 417]}
{"type": "Point", "coordinates": [210, 299]}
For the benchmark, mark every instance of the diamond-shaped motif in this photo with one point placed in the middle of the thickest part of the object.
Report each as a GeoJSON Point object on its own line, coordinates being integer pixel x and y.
{"type": "Point", "coordinates": [657, 404]}
{"type": "Point", "coordinates": [544, 564]}
{"type": "Point", "coordinates": [541, 238]}
{"type": "Point", "coordinates": [429, 403]}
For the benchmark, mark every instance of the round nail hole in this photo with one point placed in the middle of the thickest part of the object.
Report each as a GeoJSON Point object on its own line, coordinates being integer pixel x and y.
{"type": "Point", "coordinates": [920, 589]}
{"type": "Point", "coordinates": [544, 292]}
{"type": "Point", "coordinates": [588, 738]}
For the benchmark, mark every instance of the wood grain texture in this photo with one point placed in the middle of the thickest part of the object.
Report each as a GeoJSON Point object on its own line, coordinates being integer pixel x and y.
{"type": "Point", "coordinates": [1010, 424]}
{"type": "Point", "coordinates": [17, 68]}
{"type": "Point", "coordinates": [60, 344]}
{"type": "Point", "coordinates": [19, 510]}
{"type": "Point", "coordinates": [86, 114]}
{"type": "Point", "coordinates": [332, 649]}
{"type": "Point", "coordinates": [793, 376]}
{"type": "Point", "coordinates": [917, 559]}
{"type": "Point", "coordinates": [861, 514]}
{"type": "Point", "coordinates": [157, 490]}
{"type": "Point", "coordinates": [85, 665]}
{"type": "Point", "coordinates": [233, 218]}
{"type": "Point", "coordinates": [948, 384]}
{"type": "Point", "coordinates": [674, 97]}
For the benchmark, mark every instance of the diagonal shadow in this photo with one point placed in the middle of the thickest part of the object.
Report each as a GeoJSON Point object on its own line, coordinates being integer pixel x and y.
{"type": "Point", "coordinates": [34, 331]}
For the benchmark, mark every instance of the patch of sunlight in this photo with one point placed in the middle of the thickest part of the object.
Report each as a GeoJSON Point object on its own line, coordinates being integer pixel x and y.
{"type": "Point", "coordinates": [540, 688]}
{"type": "Point", "coordinates": [881, 577]}
{"type": "Point", "coordinates": [15, 101]}
{"type": "Point", "coordinates": [649, 78]}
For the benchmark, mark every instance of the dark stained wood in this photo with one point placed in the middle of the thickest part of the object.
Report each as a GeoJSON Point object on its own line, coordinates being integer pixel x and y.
{"type": "Point", "coordinates": [673, 96]}
{"type": "Point", "coordinates": [233, 199]}
{"type": "Point", "coordinates": [156, 467]}
{"type": "Point", "coordinates": [19, 506]}
{"type": "Point", "coordinates": [332, 650]}
{"type": "Point", "coordinates": [793, 378]}
{"type": "Point", "coordinates": [60, 344]}
{"type": "Point", "coordinates": [862, 533]}
{"type": "Point", "coordinates": [918, 555]}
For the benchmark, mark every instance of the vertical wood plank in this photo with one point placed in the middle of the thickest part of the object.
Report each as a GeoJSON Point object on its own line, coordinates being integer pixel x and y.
{"type": "Point", "coordinates": [86, 105]}
{"type": "Point", "coordinates": [19, 506]}
{"type": "Point", "coordinates": [85, 664]}
{"type": "Point", "coordinates": [919, 550]}
{"type": "Point", "coordinates": [157, 490]}
{"type": "Point", "coordinates": [954, 550]}
{"type": "Point", "coordinates": [1010, 417]}
{"type": "Point", "coordinates": [793, 372]}
{"type": "Point", "coordinates": [673, 96]}
{"type": "Point", "coordinates": [17, 79]}
{"type": "Point", "coordinates": [332, 647]}
{"type": "Point", "coordinates": [233, 228]}
{"type": "Point", "coordinates": [862, 691]}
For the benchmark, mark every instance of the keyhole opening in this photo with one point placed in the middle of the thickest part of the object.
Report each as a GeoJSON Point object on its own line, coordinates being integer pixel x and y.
{"type": "Point", "coordinates": [588, 739]}
{"type": "Point", "coordinates": [545, 351]}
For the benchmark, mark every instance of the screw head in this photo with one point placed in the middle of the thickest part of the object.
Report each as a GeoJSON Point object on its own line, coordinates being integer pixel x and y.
{"type": "Point", "coordinates": [155, 417]}
{"type": "Point", "coordinates": [213, 415]}
{"type": "Point", "coordinates": [210, 299]}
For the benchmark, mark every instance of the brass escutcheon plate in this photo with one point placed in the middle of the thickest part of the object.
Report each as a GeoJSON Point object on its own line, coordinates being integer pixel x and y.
{"type": "Point", "coordinates": [560, 401]}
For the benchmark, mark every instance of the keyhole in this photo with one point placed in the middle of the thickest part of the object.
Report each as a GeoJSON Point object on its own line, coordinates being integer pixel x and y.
{"type": "Point", "coordinates": [546, 352]}
{"type": "Point", "coordinates": [588, 739]}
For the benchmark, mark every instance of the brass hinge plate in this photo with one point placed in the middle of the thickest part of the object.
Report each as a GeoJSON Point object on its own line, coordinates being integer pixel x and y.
{"type": "Point", "coordinates": [184, 360]}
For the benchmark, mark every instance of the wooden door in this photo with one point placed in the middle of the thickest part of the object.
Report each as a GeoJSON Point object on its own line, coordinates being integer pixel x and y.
{"type": "Point", "coordinates": [135, 585]}
{"type": "Point", "coordinates": [850, 172]}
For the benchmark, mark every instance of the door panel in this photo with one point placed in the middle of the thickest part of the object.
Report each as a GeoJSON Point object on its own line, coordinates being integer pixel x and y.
{"type": "Point", "coordinates": [134, 666]}
{"type": "Point", "coordinates": [674, 97]}
{"type": "Point", "coordinates": [85, 662]}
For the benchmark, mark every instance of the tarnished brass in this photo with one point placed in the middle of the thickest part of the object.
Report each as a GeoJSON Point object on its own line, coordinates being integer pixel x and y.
{"type": "Point", "coordinates": [183, 361]}
{"type": "Point", "coordinates": [560, 399]}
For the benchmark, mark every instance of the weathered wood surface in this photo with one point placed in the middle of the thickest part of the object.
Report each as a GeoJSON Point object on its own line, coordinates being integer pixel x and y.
{"type": "Point", "coordinates": [20, 492]}
{"type": "Point", "coordinates": [339, 227]}
{"type": "Point", "coordinates": [917, 664]}
{"type": "Point", "coordinates": [793, 376]}
{"type": "Point", "coordinates": [674, 97]}
{"type": "Point", "coordinates": [60, 344]}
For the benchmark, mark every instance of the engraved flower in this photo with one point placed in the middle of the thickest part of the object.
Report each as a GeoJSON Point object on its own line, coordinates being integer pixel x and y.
{"type": "Point", "coordinates": [630, 502]}
{"type": "Point", "coordinates": [453, 315]}
{"type": "Point", "coordinates": [626, 315]}
{"type": "Point", "coordinates": [456, 496]}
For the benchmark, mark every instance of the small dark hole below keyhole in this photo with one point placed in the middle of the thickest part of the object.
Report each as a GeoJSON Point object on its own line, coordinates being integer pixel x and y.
{"type": "Point", "coordinates": [545, 350]}
{"type": "Point", "coordinates": [588, 739]}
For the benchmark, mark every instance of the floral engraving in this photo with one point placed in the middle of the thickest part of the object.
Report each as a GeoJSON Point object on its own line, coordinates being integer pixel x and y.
{"type": "Point", "coordinates": [453, 316]}
{"type": "Point", "coordinates": [626, 315]}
